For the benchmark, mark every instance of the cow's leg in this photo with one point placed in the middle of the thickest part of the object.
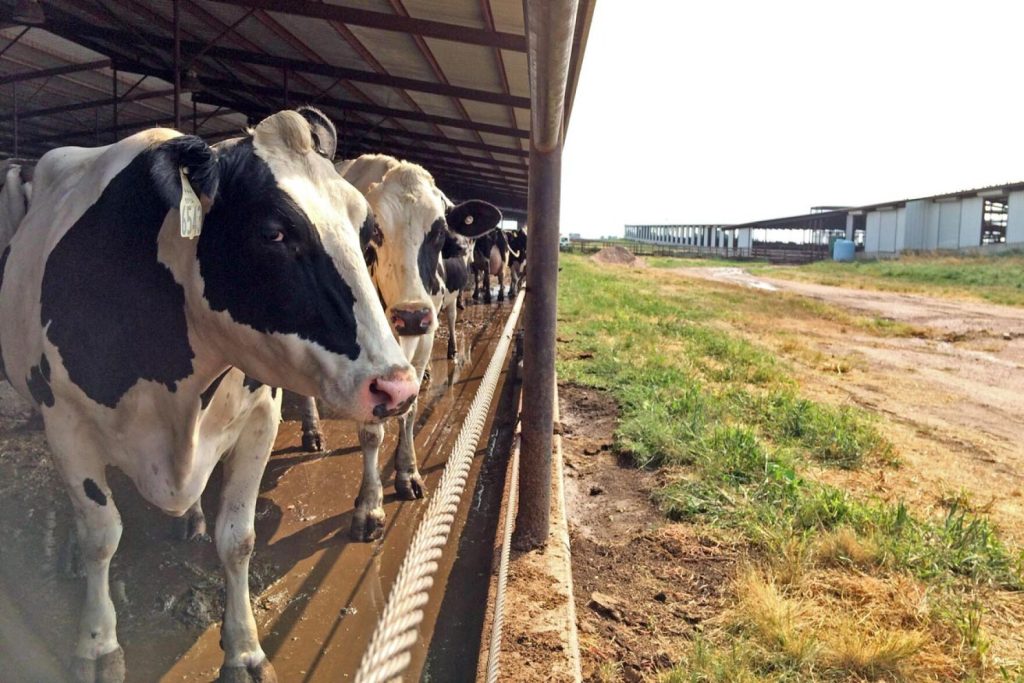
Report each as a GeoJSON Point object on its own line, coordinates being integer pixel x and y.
{"type": "Point", "coordinates": [98, 656]}
{"type": "Point", "coordinates": [487, 285]}
{"type": "Point", "coordinates": [451, 309]}
{"type": "Point", "coordinates": [312, 437]}
{"type": "Point", "coordinates": [501, 285]}
{"type": "Point", "coordinates": [458, 302]}
{"type": "Point", "coordinates": [408, 482]}
{"type": "Point", "coordinates": [192, 525]}
{"type": "Point", "coordinates": [368, 519]}
{"type": "Point", "coordinates": [476, 284]}
{"type": "Point", "coordinates": [244, 659]}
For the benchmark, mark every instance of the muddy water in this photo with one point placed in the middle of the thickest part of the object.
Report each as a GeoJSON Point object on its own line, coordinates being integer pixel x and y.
{"type": "Point", "coordinates": [317, 594]}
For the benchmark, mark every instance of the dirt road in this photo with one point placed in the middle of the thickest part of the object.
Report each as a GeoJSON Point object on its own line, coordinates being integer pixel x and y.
{"type": "Point", "coordinates": [951, 387]}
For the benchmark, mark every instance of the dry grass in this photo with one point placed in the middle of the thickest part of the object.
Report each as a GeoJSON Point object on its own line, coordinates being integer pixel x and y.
{"type": "Point", "coordinates": [843, 548]}
{"type": "Point", "coordinates": [832, 623]}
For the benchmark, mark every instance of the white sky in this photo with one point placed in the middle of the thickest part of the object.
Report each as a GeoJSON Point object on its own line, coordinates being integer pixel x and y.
{"type": "Point", "coordinates": [733, 110]}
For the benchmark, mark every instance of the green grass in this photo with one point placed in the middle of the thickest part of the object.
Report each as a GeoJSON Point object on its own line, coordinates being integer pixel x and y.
{"type": "Point", "coordinates": [736, 438]}
{"type": "Point", "coordinates": [998, 278]}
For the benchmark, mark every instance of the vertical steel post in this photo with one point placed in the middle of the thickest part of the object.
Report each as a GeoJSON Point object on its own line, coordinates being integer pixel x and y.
{"type": "Point", "coordinates": [113, 88]}
{"type": "Point", "coordinates": [14, 97]}
{"type": "Point", "coordinates": [286, 93]}
{"type": "Point", "coordinates": [550, 25]}
{"type": "Point", "coordinates": [177, 66]}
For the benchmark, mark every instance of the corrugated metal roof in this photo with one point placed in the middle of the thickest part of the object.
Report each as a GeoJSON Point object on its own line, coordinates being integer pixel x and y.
{"type": "Point", "coordinates": [440, 82]}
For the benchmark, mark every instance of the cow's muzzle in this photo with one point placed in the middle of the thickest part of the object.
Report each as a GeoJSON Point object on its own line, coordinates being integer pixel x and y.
{"type": "Point", "coordinates": [412, 322]}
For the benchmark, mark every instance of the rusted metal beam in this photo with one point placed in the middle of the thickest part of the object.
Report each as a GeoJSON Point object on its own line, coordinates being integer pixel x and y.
{"type": "Point", "coordinates": [55, 71]}
{"type": "Point", "coordinates": [388, 22]}
{"type": "Point", "coordinates": [550, 27]}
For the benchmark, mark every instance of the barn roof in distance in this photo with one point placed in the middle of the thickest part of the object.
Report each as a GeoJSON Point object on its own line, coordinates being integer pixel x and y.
{"type": "Point", "coordinates": [443, 83]}
{"type": "Point", "coordinates": [834, 218]}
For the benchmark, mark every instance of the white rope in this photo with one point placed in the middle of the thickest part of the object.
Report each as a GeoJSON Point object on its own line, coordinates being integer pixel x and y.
{"type": "Point", "coordinates": [498, 622]}
{"type": "Point", "coordinates": [388, 654]}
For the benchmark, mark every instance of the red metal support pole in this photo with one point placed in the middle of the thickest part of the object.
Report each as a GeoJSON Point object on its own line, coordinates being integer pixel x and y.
{"type": "Point", "coordinates": [550, 27]}
{"type": "Point", "coordinates": [177, 66]}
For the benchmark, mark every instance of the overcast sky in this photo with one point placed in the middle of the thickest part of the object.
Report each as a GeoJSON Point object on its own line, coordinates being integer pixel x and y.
{"type": "Point", "coordinates": [727, 111]}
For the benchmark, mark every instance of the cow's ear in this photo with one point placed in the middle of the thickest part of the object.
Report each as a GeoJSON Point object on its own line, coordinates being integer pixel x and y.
{"type": "Point", "coordinates": [474, 218]}
{"type": "Point", "coordinates": [199, 161]}
{"type": "Point", "coordinates": [325, 135]}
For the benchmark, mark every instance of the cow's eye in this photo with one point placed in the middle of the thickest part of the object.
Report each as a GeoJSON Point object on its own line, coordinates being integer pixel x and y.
{"type": "Point", "coordinates": [272, 234]}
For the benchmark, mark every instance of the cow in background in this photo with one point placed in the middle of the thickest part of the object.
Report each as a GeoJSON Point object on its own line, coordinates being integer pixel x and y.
{"type": "Point", "coordinates": [490, 256]}
{"type": "Point", "coordinates": [516, 260]}
{"type": "Point", "coordinates": [414, 222]}
{"type": "Point", "coordinates": [156, 354]}
{"type": "Point", "coordinates": [14, 198]}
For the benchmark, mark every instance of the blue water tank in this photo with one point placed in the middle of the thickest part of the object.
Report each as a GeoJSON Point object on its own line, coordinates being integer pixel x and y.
{"type": "Point", "coordinates": [843, 250]}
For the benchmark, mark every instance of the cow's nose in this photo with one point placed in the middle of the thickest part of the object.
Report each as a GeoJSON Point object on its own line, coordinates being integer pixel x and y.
{"type": "Point", "coordinates": [410, 322]}
{"type": "Point", "coordinates": [393, 394]}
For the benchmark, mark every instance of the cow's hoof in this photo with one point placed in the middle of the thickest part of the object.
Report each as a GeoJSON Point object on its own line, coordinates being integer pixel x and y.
{"type": "Point", "coordinates": [313, 441]}
{"type": "Point", "coordinates": [261, 673]}
{"type": "Point", "coordinates": [409, 487]}
{"type": "Point", "coordinates": [191, 526]}
{"type": "Point", "coordinates": [452, 354]}
{"type": "Point", "coordinates": [108, 668]}
{"type": "Point", "coordinates": [367, 527]}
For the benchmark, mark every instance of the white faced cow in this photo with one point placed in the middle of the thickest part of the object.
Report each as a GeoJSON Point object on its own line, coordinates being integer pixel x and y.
{"type": "Point", "coordinates": [155, 353]}
{"type": "Point", "coordinates": [414, 221]}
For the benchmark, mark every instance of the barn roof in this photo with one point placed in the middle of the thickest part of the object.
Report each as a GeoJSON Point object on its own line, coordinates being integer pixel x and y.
{"type": "Point", "coordinates": [444, 83]}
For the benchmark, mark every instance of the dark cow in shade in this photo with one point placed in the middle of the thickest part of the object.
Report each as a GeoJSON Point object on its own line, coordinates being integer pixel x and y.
{"type": "Point", "coordinates": [156, 353]}
{"type": "Point", "coordinates": [516, 260]}
{"type": "Point", "coordinates": [415, 220]}
{"type": "Point", "coordinates": [490, 256]}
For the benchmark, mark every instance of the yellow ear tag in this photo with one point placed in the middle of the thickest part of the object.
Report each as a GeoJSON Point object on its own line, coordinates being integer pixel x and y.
{"type": "Point", "coordinates": [190, 210]}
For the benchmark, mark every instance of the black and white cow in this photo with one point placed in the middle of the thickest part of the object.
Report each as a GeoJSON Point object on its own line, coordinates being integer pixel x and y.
{"type": "Point", "coordinates": [156, 354]}
{"type": "Point", "coordinates": [490, 256]}
{"type": "Point", "coordinates": [414, 221]}
{"type": "Point", "coordinates": [14, 196]}
{"type": "Point", "coordinates": [516, 260]}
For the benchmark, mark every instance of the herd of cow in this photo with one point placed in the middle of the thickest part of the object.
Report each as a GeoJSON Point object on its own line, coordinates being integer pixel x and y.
{"type": "Point", "coordinates": [156, 295]}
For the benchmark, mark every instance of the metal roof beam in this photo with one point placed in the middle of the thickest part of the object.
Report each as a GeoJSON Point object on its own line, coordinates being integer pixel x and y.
{"type": "Point", "coordinates": [55, 71]}
{"type": "Point", "coordinates": [348, 105]}
{"type": "Point", "coordinates": [93, 104]}
{"type": "Point", "coordinates": [388, 22]}
{"type": "Point", "coordinates": [165, 121]}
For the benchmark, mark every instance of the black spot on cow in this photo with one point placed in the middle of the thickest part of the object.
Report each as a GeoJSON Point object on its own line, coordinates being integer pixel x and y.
{"type": "Point", "coordinates": [456, 273]}
{"type": "Point", "coordinates": [273, 392]}
{"type": "Point", "coordinates": [3, 266]}
{"type": "Point", "coordinates": [430, 250]}
{"type": "Point", "coordinates": [262, 261]}
{"type": "Point", "coordinates": [112, 309]}
{"type": "Point", "coordinates": [253, 385]}
{"type": "Point", "coordinates": [39, 383]}
{"type": "Point", "coordinates": [208, 392]}
{"type": "Point", "coordinates": [93, 492]}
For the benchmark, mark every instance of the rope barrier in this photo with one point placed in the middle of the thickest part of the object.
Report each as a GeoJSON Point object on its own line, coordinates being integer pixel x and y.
{"type": "Point", "coordinates": [497, 623]}
{"type": "Point", "coordinates": [388, 654]}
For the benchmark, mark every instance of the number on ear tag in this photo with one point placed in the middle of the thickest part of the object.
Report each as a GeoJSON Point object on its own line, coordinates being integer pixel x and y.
{"type": "Point", "coordinates": [190, 210]}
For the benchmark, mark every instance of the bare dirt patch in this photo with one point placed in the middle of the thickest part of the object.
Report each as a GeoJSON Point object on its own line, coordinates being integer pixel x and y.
{"type": "Point", "coordinates": [643, 586]}
{"type": "Point", "coordinates": [615, 255]}
{"type": "Point", "coordinates": [950, 397]}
